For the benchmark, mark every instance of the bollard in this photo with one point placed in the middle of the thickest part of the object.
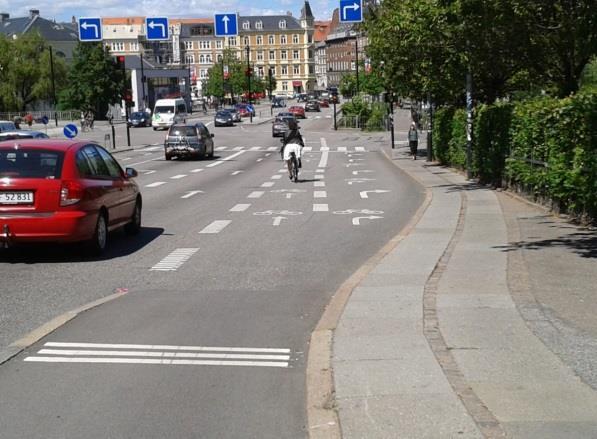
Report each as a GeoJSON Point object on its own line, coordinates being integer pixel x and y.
{"type": "Point", "coordinates": [113, 136]}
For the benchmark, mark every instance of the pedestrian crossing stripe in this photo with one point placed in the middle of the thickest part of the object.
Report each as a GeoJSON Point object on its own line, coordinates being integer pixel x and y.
{"type": "Point", "coordinates": [305, 149]}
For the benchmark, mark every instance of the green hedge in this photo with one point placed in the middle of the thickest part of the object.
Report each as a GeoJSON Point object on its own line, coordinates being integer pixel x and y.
{"type": "Point", "coordinates": [457, 143]}
{"type": "Point", "coordinates": [491, 134]}
{"type": "Point", "coordinates": [442, 132]}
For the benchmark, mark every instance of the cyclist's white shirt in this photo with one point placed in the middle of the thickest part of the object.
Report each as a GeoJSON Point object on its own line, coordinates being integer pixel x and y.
{"type": "Point", "coordinates": [292, 147]}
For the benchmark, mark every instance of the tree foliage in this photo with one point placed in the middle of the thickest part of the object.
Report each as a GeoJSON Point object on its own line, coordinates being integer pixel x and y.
{"type": "Point", "coordinates": [370, 83]}
{"type": "Point", "coordinates": [94, 80]}
{"type": "Point", "coordinates": [508, 45]}
{"type": "Point", "coordinates": [25, 72]}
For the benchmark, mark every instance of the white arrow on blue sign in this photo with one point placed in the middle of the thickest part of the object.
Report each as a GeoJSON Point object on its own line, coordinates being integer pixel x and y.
{"type": "Point", "coordinates": [156, 28]}
{"type": "Point", "coordinates": [90, 29]}
{"type": "Point", "coordinates": [351, 11]}
{"type": "Point", "coordinates": [226, 25]}
{"type": "Point", "coordinates": [70, 131]}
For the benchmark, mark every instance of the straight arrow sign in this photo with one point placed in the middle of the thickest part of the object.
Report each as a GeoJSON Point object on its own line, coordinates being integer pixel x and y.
{"type": "Point", "coordinates": [356, 221]}
{"type": "Point", "coordinates": [377, 191]}
{"type": "Point", "coordinates": [225, 20]}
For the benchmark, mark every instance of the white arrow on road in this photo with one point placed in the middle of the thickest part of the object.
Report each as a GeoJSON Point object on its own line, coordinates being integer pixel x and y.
{"type": "Point", "coordinates": [356, 160]}
{"type": "Point", "coordinates": [278, 220]}
{"type": "Point", "coordinates": [377, 191]}
{"type": "Point", "coordinates": [356, 221]}
{"type": "Point", "coordinates": [153, 24]}
{"type": "Point", "coordinates": [361, 172]}
{"type": "Point", "coordinates": [86, 25]}
{"type": "Point", "coordinates": [225, 20]}
{"type": "Point", "coordinates": [359, 180]}
{"type": "Point", "coordinates": [354, 7]}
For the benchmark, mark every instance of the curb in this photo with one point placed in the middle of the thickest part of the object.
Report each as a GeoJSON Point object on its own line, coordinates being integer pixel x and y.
{"type": "Point", "coordinates": [322, 416]}
{"type": "Point", "coordinates": [47, 328]}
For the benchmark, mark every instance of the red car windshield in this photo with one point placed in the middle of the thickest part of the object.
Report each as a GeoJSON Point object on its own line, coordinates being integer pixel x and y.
{"type": "Point", "coordinates": [24, 163]}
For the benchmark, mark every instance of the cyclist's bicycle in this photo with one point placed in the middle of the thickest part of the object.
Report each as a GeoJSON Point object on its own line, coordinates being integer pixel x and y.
{"type": "Point", "coordinates": [294, 167]}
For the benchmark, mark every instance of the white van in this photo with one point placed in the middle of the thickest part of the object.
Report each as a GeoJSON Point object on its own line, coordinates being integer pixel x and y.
{"type": "Point", "coordinates": [168, 112]}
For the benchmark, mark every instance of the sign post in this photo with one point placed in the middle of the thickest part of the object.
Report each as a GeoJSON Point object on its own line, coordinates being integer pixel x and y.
{"type": "Point", "coordinates": [226, 25]}
{"type": "Point", "coordinates": [90, 29]}
{"type": "Point", "coordinates": [351, 11]}
{"type": "Point", "coordinates": [157, 28]}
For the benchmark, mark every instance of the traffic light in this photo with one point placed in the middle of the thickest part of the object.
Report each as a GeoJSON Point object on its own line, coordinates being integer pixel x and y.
{"type": "Point", "coordinates": [334, 99]}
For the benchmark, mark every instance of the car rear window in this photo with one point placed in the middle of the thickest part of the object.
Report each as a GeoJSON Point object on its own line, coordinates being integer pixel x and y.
{"type": "Point", "coordinates": [25, 163]}
{"type": "Point", "coordinates": [184, 131]}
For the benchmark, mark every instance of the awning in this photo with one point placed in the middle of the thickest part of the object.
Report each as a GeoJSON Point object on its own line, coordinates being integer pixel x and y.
{"type": "Point", "coordinates": [297, 83]}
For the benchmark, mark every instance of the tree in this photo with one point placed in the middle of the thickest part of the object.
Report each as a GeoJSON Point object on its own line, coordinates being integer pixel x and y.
{"type": "Point", "coordinates": [25, 73]}
{"type": "Point", "coordinates": [371, 83]}
{"type": "Point", "coordinates": [94, 81]}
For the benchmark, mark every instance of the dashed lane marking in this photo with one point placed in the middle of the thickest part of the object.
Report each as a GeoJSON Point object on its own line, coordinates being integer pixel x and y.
{"type": "Point", "coordinates": [319, 184]}
{"type": "Point", "coordinates": [276, 177]}
{"type": "Point", "coordinates": [360, 149]}
{"type": "Point", "coordinates": [255, 194]}
{"type": "Point", "coordinates": [221, 148]}
{"type": "Point", "coordinates": [324, 159]}
{"type": "Point", "coordinates": [149, 172]}
{"type": "Point", "coordinates": [236, 172]}
{"type": "Point", "coordinates": [268, 184]}
{"type": "Point", "coordinates": [319, 176]}
{"type": "Point", "coordinates": [191, 193]}
{"type": "Point", "coordinates": [321, 208]}
{"type": "Point", "coordinates": [255, 148]}
{"type": "Point", "coordinates": [178, 177]}
{"type": "Point", "coordinates": [225, 159]}
{"type": "Point", "coordinates": [215, 227]}
{"type": "Point", "coordinates": [240, 208]}
{"type": "Point", "coordinates": [320, 194]}
{"type": "Point", "coordinates": [273, 148]}
{"type": "Point", "coordinates": [194, 171]}
{"type": "Point", "coordinates": [174, 260]}
{"type": "Point", "coordinates": [156, 184]}
{"type": "Point", "coordinates": [308, 148]}
{"type": "Point", "coordinates": [342, 149]}
{"type": "Point", "coordinates": [259, 159]}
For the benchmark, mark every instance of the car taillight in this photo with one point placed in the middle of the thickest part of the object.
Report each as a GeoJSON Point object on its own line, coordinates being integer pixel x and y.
{"type": "Point", "coordinates": [71, 192]}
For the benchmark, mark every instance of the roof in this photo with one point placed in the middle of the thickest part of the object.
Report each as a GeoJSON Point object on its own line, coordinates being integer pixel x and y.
{"type": "Point", "coordinates": [122, 20]}
{"type": "Point", "coordinates": [322, 29]}
{"type": "Point", "coordinates": [306, 12]}
{"type": "Point", "coordinates": [191, 21]}
{"type": "Point", "coordinates": [269, 22]}
{"type": "Point", "coordinates": [49, 30]}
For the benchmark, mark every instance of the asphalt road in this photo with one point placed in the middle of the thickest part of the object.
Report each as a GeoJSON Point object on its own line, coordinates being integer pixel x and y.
{"type": "Point", "coordinates": [228, 278]}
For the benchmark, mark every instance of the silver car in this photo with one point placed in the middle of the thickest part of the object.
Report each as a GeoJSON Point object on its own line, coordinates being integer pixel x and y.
{"type": "Point", "coordinates": [191, 140]}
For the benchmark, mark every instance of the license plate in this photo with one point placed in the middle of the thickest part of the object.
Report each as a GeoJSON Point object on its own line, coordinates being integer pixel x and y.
{"type": "Point", "coordinates": [16, 197]}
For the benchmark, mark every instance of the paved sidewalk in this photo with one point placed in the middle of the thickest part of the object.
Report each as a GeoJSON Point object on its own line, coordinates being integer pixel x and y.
{"type": "Point", "coordinates": [474, 325]}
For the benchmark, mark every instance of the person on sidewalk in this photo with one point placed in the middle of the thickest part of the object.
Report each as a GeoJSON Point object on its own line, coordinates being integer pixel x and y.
{"type": "Point", "coordinates": [413, 140]}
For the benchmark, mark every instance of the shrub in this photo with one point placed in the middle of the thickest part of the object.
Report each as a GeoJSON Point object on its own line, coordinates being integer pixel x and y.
{"type": "Point", "coordinates": [457, 143]}
{"type": "Point", "coordinates": [491, 142]}
{"type": "Point", "coordinates": [442, 132]}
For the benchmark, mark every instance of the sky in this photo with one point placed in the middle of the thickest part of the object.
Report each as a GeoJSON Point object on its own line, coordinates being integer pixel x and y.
{"type": "Point", "coordinates": [63, 10]}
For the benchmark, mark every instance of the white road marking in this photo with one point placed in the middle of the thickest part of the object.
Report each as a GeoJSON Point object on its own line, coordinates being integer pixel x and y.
{"type": "Point", "coordinates": [355, 160]}
{"type": "Point", "coordinates": [364, 171]}
{"type": "Point", "coordinates": [363, 194]}
{"type": "Point", "coordinates": [178, 177]}
{"type": "Point", "coordinates": [321, 208]}
{"type": "Point", "coordinates": [92, 353]}
{"type": "Point", "coordinates": [255, 148]}
{"type": "Point", "coordinates": [356, 221]}
{"type": "Point", "coordinates": [276, 177]}
{"type": "Point", "coordinates": [225, 159]}
{"type": "Point", "coordinates": [282, 171]}
{"type": "Point", "coordinates": [191, 193]}
{"type": "Point", "coordinates": [215, 227]}
{"type": "Point", "coordinates": [360, 149]}
{"type": "Point", "coordinates": [125, 159]}
{"type": "Point", "coordinates": [324, 144]}
{"type": "Point", "coordinates": [144, 161]}
{"type": "Point", "coordinates": [307, 148]}
{"type": "Point", "coordinates": [238, 148]}
{"type": "Point", "coordinates": [324, 159]}
{"type": "Point", "coordinates": [174, 260]}
{"type": "Point", "coordinates": [156, 184]}
{"type": "Point", "coordinates": [236, 172]}
{"type": "Point", "coordinates": [278, 220]}
{"type": "Point", "coordinates": [273, 148]}
{"type": "Point", "coordinates": [255, 194]}
{"type": "Point", "coordinates": [154, 148]}
{"type": "Point", "coordinates": [259, 159]}
{"type": "Point", "coordinates": [221, 148]}
{"type": "Point", "coordinates": [149, 172]}
{"type": "Point", "coordinates": [268, 154]}
{"type": "Point", "coordinates": [240, 208]}
{"type": "Point", "coordinates": [268, 184]}
{"type": "Point", "coordinates": [342, 149]}
{"type": "Point", "coordinates": [156, 361]}
{"type": "Point", "coordinates": [57, 344]}
{"type": "Point", "coordinates": [320, 194]}
{"type": "Point", "coordinates": [319, 176]}
{"type": "Point", "coordinates": [209, 123]}
{"type": "Point", "coordinates": [321, 170]}
{"type": "Point", "coordinates": [194, 171]}
{"type": "Point", "coordinates": [319, 183]}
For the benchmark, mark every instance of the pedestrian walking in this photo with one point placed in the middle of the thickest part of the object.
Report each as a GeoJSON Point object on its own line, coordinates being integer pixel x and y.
{"type": "Point", "coordinates": [413, 140]}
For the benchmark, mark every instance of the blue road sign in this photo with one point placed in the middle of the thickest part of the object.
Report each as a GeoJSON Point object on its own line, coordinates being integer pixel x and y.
{"type": "Point", "coordinates": [351, 11]}
{"type": "Point", "coordinates": [226, 25]}
{"type": "Point", "coordinates": [70, 131]}
{"type": "Point", "coordinates": [45, 120]}
{"type": "Point", "coordinates": [156, 28]}
{"type": "Point", "coordinates": [90, 29]}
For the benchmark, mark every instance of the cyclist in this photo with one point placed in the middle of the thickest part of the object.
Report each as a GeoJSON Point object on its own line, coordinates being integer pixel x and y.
{"type": "Point", "coordinates": [293, 142]}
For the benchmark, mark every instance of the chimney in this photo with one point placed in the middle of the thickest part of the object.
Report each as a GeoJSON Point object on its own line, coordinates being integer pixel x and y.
{"type": "Point", "coordinates": [33, 13]}
{"type": "Point", "coordinates": [4, 16]}
{"type": "Point", "coordinates": [73, 21]}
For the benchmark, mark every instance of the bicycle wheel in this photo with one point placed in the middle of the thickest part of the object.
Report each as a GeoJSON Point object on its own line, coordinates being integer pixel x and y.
{"type": "Point", "coordinates": [294, 169]}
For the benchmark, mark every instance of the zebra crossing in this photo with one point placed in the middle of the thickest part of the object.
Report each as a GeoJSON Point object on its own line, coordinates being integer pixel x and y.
{"type": "Point", "coordinates": [343, 149]}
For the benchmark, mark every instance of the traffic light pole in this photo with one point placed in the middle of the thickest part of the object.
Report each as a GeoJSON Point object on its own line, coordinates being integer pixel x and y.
{"type": "Point", "coordinates": [126, 107]}
{"type": "Point", "coordinates": [392, 119]}
{"type": "Point", "coordinates": [249, 81]}
{"type": "Point", "coordinates": [53, 86]}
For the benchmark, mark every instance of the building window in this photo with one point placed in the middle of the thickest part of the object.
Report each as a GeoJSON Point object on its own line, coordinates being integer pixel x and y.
{"type": "Point", "coordinates": [295, 39]}
{"type": "Point", "coordinates": [201, 59]}
{"type": "Point", "coordinates": [203, 73]}
{"type": "Point", "coordinates": [246, 41]}
{"type": "Point", "coordinates": [205, 44]}
{"type": "Point", "coordinates": [259, 25]}
{"type": "Point", "coordinates": [208, 59]}
{"type": "Point", "coordinates": [295, 54]}
{"type": "Point", "coordinates": [134, 46]}
{"type": "Point", "coordinates": [260, 55]}
{"type": "Point", "coordinates": [117, 46]}
{"type": "Point", "coordinates": [232, 41]}
{"type": "Point", "coordinates": [282, 39]}
{"type": "Point", "coordinates": [271, 39]}
{"type": "Point", "coordinates": [218, 44]}
{"type": "Point", "coordinates": [273, 69]}
{"type": "Point", "coordinates": [272, 54]}
{"type": "Point", "coordinates": [282, 24]}
{"type": "Point", "coordinates": [296, 69]}
{"type": "Point", "coordinates": [283, 54]}
{"type": "Point", "coordinates": [310, 39]}
{"type": "Point", "coordinates": [284, 70]}
{"type": "Point", "coordinates": [220, 57]}
{"type": "Point", "coordinates": [188, 45]}
{"type": "Point", "coordinates": [284, 86]}
{"type": "Point", "coordinates": [311, 71]}
{"type": "Point", "coordinates": [190, 59]}
{"type": "Point", "coordinates": [259, 40]}
{"type": "Point", "coordinates": [260, 71]}
{"type": "Point", "coordinates": [246, 25]}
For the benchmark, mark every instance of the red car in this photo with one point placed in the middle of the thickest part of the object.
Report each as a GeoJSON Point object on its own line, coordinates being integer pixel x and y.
{"type": "Point", "coordinates": [298, 111]}
{"type": "Point", "coordinates": [64, 191]}
{"type": "Point", "coordinates": [324, 103]}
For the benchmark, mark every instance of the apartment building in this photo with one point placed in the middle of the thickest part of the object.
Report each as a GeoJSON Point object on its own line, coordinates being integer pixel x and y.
{"type": "Point", "coordinates": [322, 30]}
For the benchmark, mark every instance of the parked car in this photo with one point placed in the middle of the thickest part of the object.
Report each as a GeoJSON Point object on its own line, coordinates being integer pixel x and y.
{"type": "Point", "coordinates": [22, 134]}
{"type": "Point", "coordinates": [280, 125]}
{"type": "Point", "coordinates": [324, 103]}
{"type": "Point", "coordinates": [65, 191]}
{"type": "Point", "coordinates": [7, 125]}
{"type": "Point", "coordinates": [235, 114]}
{"type": "Point", "coordinates": [223, 118]}
{"type": "Point", "coordinates": [312, 106]}
{"type": "Point", "coordinates": [297, 111]}
{"type": "Point", "coordinates": [139, 119]}
{"type": "Point", "coordinates": [190, 140]}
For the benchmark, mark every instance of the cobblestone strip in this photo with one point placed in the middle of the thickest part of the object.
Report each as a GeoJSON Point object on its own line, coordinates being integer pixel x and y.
{"type": "Point", "coordinates": [487, 423]}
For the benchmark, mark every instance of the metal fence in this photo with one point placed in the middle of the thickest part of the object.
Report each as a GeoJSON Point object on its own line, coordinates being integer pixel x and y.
{"type": "Point", "coordinates": [38, 115]}
{"type": "Point", "coordinates": [356, 122]}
